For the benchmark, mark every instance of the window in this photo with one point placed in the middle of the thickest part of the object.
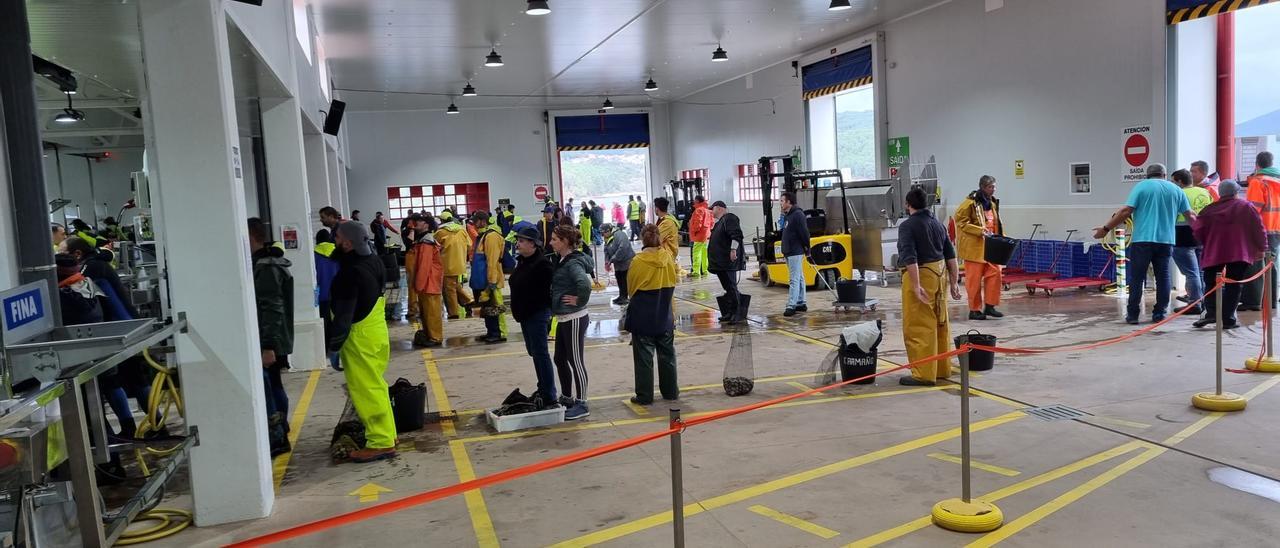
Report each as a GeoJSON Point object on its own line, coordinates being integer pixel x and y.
{"type": "Point", "coordinates": [747, 184]}
{"type": "Point", "coordinates": [856, 134]}
{"type": "Point", "coordinates": [302, 27]}
{"type": "Point", "coordinates": [462, 198]}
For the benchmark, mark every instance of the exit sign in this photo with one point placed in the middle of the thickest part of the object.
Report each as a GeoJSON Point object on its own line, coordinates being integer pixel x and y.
{"type": "Point", "coordinates": [899, 150]}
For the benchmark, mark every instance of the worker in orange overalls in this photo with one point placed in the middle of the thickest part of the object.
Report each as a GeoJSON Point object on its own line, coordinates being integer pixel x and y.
{"type": "Point", "coordinates": [977, 217]}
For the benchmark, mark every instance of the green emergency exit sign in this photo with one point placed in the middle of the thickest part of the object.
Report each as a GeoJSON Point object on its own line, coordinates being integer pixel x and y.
{"type": "Point", "coordinates": [899, 151]}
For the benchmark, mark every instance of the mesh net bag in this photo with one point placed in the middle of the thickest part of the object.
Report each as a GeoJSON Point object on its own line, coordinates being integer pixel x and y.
{"type": "Point", "coordinates": [739, 367]}
{"type": "Point", "coordinates": [828, 369]}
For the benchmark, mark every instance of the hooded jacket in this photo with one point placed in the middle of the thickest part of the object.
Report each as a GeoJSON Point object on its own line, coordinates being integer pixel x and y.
{"type": "Point", "coordinates": [454, 243]}
{"type": "Point", "coordinates": [1231, 232]}
{"type": "Point", "coordinates": [326, 269]}
{"type": "Point", "coordinates": [618, 251]}
{"type": "Point", "coordinates": [726, 232]}
{"type": "Point", "coordinates": [669, 233]}
{"type": "Point", "coordinates": [529, 285]}
{"type": "Point", "coordinates": [273, 293]}
{"type": "Point", "coordinates": [428, 274]}
{"type": "Point", "coordinates": [572, 276]}
{"type": "Point", "coordinates": [651, 283]}
{"type": "Point", "coordinates": [700, 223]}
{"type": "Point", "coordinates": [971, 224]}
{"type": "Point", "coordinates": [98, 268]}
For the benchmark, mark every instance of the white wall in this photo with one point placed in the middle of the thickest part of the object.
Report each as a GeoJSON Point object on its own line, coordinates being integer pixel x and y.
{"type": "Point", "coordinates": [719, 137]}
{"type": "Point", "coordinates": [1195, 85]}
{"type": "Point", "coordinates": [1044, 82]}
{"type": "Point", "coordinates": [111, 183]}
{"type": "Point", "coordinates": [507, 148]}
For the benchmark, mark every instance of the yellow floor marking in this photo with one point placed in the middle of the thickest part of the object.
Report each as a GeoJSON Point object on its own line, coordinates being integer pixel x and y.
{"type": "Point", "coordinates": [636, 408]}
{"type": "Point", "coordinates": [369, 492]}
{"type": "Point", "coordinates": [1030, 483]}
{"type": "Point", "coordinates": [627, 422]}
{"type": "Point", "coordinates": [1009, 472]}
{"type": "Point", "coordinates": [784, 482]}
{"type": "Point", "coordinates": [805, 388]}
{"type": "Point", "coordinates": [522, 353]}
{"type": "Point", "coordinates": [881, 363]}
{"type": "Point", "coordinates": [683, 389]}
{"type": "Point", "coordinates": [281, 463]}
{"type": "Point", "coordinates": [1117, 422]}
{"type": "Point", "coordinates": [788, 519]}
{"type": "Point", "coordinates": [480, 520]}
{"type": "Point", "coordinates": [438, 394]}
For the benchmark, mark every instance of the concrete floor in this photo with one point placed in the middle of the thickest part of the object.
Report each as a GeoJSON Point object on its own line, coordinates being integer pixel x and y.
{"type": "Point", "coordinates": [858, 466]}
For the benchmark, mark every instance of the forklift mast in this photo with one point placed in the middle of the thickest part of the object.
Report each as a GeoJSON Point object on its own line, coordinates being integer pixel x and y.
{"type": "Point", "coordinates": [764, 248]}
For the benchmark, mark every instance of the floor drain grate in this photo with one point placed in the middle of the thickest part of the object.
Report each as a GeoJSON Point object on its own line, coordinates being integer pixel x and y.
{"type": "Point", "coordinates": [1055, 413]}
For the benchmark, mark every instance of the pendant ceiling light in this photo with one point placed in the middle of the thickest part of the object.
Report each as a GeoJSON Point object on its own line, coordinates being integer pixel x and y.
{"type": "Point", "coordinates": [608, 105]}
{"type": "Point", "coordinates": [469, 91]}
{"type": "Point", "coordinates": [537, 7]}
{"type": "Point", "coordinates": [651, 85]}
{"type": "Point", "coordinates": [719, 55]}
{"type": "Point", "coordinates": [839, 5]}
{"type": "Point", "coordinates": [453, 109]}
{"type": "Point", "coordinates": [493, 59]}
{"type": "Point", "coordinates": [69, 115]}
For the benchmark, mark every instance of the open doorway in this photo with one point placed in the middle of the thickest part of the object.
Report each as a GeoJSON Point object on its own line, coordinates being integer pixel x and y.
{"type": "Point", "coordinates": [608, 177]}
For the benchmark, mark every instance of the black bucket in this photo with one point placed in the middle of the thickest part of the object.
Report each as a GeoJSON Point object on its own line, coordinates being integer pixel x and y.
{"type": "Point", "coordinates": [851, 291]}
{"type": "Point", "coordinates": [998, 249]}
{"type": "Point", "coordinates": [856, 362]}
{"type": "Point", "coordinates": [408, 405]}
{"type": "Point", "coordinates": [979, 360]}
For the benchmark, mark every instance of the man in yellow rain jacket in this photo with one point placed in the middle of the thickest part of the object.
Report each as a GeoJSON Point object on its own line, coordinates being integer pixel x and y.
{"type": "Point", "coordinates": [928, 263]}
{"type": "Point", "coordinates": [454, 242]}
{"type": "Point", "coordinates": [977, 217]}
{"type": "Point", "coordinates": [487, 278]}
{"type": "Point", "coordinates": [668, 227]}
{"type": "Point", "coordinates": [359, 335]}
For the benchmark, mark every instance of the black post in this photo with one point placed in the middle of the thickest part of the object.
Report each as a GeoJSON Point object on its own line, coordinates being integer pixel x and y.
{"type": "Point", "coordinates": [22, 135]}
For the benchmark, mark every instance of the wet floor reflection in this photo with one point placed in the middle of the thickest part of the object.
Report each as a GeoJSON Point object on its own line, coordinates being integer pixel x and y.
{"type": "Point", "coordinates": [1244, 481]}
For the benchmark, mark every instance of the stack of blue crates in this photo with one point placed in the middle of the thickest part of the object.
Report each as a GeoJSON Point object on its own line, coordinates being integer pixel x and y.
{"type": "Point", "coordinates": [1073, 259]}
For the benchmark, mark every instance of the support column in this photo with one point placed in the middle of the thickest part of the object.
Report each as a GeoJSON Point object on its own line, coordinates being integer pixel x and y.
{"type": "Point", "coordinates": [193, 140]}
{"type": "Point", "coordinates": [291, 206]}
{"type": "Point", "coordinates": [317, 177]}
{"type": "Point", "coordinates": [335, 181]}
{"type": "Point", "coordinates": [1226, 128]}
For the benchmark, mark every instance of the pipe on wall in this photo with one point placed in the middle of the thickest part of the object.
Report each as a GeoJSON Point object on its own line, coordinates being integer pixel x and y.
{"type": "Point", "coordinates": [1226, 102]}
{"type": "Point", "coordinates": [26, 169]}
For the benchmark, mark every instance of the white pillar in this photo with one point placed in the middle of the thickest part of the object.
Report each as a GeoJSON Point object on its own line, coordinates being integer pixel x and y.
{"type": "Point", "coordinates": [335, 181]}
{"type": "Point", "coordinates": [193, 140]}
{"type": "Point", "coordinates": [317, 176]}
{"type": "Point", "coordinates": [291, 207]}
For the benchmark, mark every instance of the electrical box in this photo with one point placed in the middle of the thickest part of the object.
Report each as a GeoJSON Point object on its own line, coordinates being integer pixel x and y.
{"type": "Point", "coordinates": [1080, 178]}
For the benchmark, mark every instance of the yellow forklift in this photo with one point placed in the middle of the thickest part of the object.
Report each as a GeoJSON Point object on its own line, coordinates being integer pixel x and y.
{"type": "Point", "coordinates": [830, 251]}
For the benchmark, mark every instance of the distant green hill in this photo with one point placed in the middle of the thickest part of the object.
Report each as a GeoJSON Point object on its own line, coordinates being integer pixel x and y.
{"type": "Point", "coordinates": [856, 143]}
{"type": "Point", "coordinates": [594, 173]}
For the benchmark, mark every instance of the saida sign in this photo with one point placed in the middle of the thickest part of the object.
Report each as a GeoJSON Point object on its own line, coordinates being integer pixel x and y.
{"type": "Point", "coordinates": [899, 150]}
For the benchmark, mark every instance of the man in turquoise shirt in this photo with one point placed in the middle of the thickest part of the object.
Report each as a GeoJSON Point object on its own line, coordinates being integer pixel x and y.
{"type": "Point", "coordinates": [1155, 204]}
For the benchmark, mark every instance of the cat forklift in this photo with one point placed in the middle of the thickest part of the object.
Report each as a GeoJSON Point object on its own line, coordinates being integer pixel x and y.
{"type": "Point", "coordinates": [830, 250]}
{"type": "Point", "coordinates": [681, 193]}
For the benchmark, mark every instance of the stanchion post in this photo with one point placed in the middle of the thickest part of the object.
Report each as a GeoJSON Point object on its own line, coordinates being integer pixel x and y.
{"type": "Point", "coordinates": [965, 514]}
{"type": "Point", "coordinates": [677, 483]}
{"type": "Point", "coordinates": [1218, 400]}
{"type": "Point", "coordinates": [1268, 363]}
{"type": "Point", "coordinates": [1122, 261]}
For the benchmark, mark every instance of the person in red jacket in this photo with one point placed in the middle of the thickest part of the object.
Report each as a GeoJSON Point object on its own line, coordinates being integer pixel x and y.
{"type": "Point", "coordinates": [428, 283]}
{"type": "Point", "coordinates": [700, 223]}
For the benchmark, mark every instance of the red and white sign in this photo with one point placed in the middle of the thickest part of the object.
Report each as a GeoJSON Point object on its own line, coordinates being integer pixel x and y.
{"type": "Point", "coordinates": [1136, 153]}
{"type": "Point", "coordinates": [540, 192]}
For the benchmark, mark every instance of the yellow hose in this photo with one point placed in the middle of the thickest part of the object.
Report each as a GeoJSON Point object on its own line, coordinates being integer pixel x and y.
{"type": "Point", "coordinates": [163, 400]}
{"type": "Point", "coordinates": [171, 521]}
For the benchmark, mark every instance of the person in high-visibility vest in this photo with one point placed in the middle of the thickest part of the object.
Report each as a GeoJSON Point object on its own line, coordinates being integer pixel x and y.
{"type": "Point", "coordinates": [700, 223]}
{"type": "Point", "coordinates": [1263, 191]}
{"type": "Point", "coordinates": [633, 215]}
{"type": "Point", "coordinates": [361, 338]}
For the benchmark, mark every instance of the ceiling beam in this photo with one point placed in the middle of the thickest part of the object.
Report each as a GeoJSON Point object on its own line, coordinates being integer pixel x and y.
{"type": "Point", "coordinates": [84, 104]}
{"type": "Point", "coordinates": [90, 132]}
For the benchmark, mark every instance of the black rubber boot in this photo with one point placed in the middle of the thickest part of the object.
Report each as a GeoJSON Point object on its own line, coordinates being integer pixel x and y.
{"type": "Point", "coordinates": [991, 311]}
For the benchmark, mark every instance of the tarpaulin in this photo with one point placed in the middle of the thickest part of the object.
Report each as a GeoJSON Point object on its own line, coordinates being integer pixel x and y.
{"type": "Point", "coordinates": [1180, 11]}
{"type": "Point", "coordinates": [845, 71]}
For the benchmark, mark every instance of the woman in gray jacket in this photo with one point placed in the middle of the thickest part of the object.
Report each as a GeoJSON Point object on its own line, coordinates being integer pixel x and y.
{"type": "Point", "coordinates": [570, 291]}
{"type": "Point", "coordinates": [617, 255]}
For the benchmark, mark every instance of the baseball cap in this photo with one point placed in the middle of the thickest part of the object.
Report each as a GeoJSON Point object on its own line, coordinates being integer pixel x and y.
{"type": "Point", "coordinates": [719, 203]}
{"type": "Point", "coordinates": [356, 232]}
{"type": "Point", "coordinates": [528, 233]}
{"type": "Point", "coordinates": [446, 215]}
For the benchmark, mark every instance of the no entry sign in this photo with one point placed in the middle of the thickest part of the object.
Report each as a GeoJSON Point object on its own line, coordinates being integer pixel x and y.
{"type": "Point", "coordinates": [540, 192]}
{"type": "Point", "coordinates": [1136, 152]}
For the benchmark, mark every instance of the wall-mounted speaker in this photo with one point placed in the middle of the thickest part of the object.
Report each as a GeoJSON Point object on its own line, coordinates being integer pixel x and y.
{"type": "Point", "coordinates": [254, 2]}
{"type": "Point", "coordinates": [333, 120]}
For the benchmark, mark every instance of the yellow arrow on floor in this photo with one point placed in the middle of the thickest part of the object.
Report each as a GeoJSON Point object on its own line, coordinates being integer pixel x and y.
{"type": "Point", "coordinates": [369, 492]}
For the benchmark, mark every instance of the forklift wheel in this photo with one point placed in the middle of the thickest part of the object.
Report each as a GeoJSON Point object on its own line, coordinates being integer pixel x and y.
{"type": "Point", "coordinates": [764, 277]}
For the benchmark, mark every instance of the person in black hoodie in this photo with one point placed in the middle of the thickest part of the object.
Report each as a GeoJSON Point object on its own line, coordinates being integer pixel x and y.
{"type": "Point", "coordinates": [795, 247]}
{"type": "Point", "coordinates": [726, 257]}
{"type": "Point", "coordinates": [273, 294]}
{"type": "Point", "coordinates": [96, 265]}
{"type": "Point", "coordinates": [531, 307]}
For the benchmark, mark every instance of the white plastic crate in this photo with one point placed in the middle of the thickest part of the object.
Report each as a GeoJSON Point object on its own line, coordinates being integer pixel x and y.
{"type": "Point", "coordinates": [508, 423]}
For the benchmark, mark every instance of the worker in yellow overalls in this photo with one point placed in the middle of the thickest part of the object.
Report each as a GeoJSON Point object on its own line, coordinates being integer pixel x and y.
{"type": "Point", "coordinates": [928, 262]}
{"type": "Point", "coordinates": [359, 335]}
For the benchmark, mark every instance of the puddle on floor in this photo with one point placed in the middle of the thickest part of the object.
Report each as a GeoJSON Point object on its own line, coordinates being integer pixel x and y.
{"type": "Point", "coordinates": [1244, 481]}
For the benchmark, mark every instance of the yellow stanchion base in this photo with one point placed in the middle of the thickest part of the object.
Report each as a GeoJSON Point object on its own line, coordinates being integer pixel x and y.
{"type": "Point", "coordinates": [1225, 401]}
{"type": "Point", "coordinates": [975, 516]}
{"type": "Point", "coordinates": [1268, 364]}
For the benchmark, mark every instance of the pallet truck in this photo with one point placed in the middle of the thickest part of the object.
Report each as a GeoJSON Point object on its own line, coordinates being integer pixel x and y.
{"type": "Point", "coordinates": [1080, 282]}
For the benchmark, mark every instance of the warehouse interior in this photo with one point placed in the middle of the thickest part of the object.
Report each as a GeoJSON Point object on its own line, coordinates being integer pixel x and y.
{"type": "Point", "coordinates": [167, 133]}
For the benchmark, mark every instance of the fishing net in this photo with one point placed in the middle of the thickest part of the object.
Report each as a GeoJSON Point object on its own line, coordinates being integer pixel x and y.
{"type": "Point", "coordinates": [828, 369]}
{"type": "Point", "coordinates": [739, 367]}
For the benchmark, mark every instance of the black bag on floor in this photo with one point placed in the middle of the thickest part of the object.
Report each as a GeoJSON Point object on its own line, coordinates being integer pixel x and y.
{"type": "Point", "coordinates": [1251, 293]}
{"type": "Point", "coordinates": [408, 405]}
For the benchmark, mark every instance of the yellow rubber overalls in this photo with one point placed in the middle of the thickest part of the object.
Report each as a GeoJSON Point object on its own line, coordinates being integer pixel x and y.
{"type": "Point", "coordinates": [925, 329]}
{"type": "Point", "coordinates": [364, 359]}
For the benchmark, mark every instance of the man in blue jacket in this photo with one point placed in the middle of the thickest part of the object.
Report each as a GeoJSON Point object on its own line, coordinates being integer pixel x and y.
{"type": "Point", "coordinates": [795, 246]}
